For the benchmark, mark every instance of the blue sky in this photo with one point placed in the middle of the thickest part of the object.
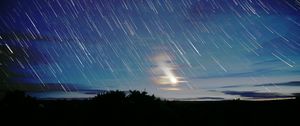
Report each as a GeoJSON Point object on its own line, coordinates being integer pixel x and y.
{"type": "Point", "coordinates": [174, 49]}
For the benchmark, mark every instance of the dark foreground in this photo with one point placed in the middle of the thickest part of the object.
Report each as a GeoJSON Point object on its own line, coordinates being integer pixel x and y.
{"type": "Point", "coordinates": [142, 109]}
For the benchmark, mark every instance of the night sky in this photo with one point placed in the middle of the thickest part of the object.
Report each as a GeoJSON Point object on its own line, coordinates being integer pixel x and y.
{"type": "Point", "coordinates": [183, 49]}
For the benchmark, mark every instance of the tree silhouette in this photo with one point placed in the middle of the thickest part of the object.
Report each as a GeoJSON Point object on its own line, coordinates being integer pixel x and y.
{"type": "Point", "coordinates": [137, 96]}
{"type": "Point", "coordinates": [134, 96]}
{"type": "Point", "coordinates": [111, 96]}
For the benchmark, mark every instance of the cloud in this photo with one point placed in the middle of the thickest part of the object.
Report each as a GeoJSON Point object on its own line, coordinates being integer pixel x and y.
{"type": "Point", "coordinates": [234, 86]}
{"type": "Point", "coordinates": [256, 95]}
{"type": "Point", "coordinates": [15, 59]}
{"type": "Point", "coordinates": [199, 99]}
{"type": "Point", "coordinates": [292, 83]}
{"type": "Point", "coordinates": [13, 54]}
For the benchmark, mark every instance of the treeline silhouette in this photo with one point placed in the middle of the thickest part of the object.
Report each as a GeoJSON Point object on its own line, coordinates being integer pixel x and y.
{"type": "Point", "coordinates": [133, 96]}
{"type": "Point", "coordinates": [140, 108]}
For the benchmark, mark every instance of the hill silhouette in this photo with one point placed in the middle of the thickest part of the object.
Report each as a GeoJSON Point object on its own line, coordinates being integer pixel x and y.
{"type": "Point", "coordinates": [139, 108]}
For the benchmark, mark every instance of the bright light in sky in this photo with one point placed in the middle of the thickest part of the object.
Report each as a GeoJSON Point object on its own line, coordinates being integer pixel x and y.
{"type": "Point", "coordinates": [164, 72]}
{"type": "Point", "coordinates": [173, 79]}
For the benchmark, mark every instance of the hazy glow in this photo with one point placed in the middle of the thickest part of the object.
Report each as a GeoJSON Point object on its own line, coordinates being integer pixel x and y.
{"type": "Point", "coordinates": [170, 89]}
{"type": "Point", "coordinates": [164, 70]}
{"type": "Point", "coordinates": [173, 79]}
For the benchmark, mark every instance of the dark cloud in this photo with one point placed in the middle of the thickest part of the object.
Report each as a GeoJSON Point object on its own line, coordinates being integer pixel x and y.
{"type": "Point", "coordinates": [15, 59]}
{"type": "Point", "coordinates": [199, 98]}
{"type": "Point", "coordinates": [18, 53]}
{"type": "Point", "coordinates": [293, 83]}
{"type": "Point", "coordinates": [206, 98]}
{"type": "Point", "coordinates": [210, 98]}
{"type": "Point", "coordinates": [256, 95]}
{"type": "Point", "coordinates": [15, 54]}
{"type": "Point", "coordinates": [235, 86]}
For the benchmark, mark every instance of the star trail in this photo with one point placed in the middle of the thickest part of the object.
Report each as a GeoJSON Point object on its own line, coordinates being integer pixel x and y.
{"type": "Point", "coordinates": [171, 48]}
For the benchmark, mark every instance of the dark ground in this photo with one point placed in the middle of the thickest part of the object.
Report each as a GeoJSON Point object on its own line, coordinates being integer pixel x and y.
{"type": "Point", "coordinates": [138, 108]}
